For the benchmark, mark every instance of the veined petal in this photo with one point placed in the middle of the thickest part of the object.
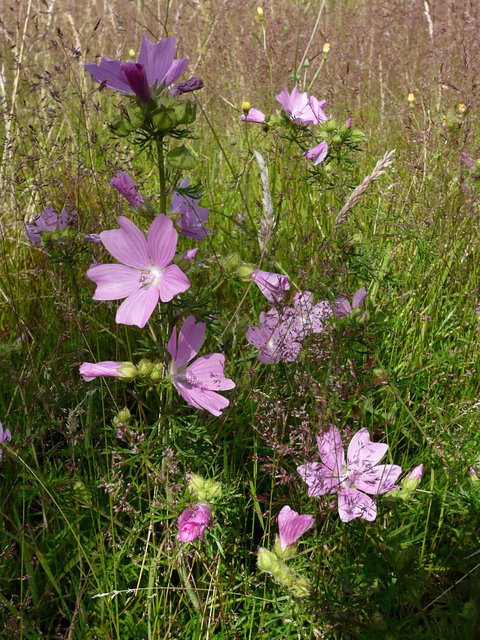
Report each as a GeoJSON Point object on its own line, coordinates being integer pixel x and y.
{"type": "Point", "coordinates": [379, 479]}
{"type": "Point", "coordinates": [354, 504]}
{"type": "Point", "coordinates": [127, 244]}
{"type": "Point", "coordinates": [209, 371]}
{"type": "Point", "coordinates": [341, 307]}
{"type": "Point", "coordinates": [91, 370]}
{"type": "Point", "coordinates": [331, 450]}
{"type": "Point", "coordinates": [114, 281]}
{"type": "Point", "coordinates": [358, 297]}
{"type": "Point", "coordinates": [177, 67]}
{"type": "Point", "coordinates": [162, 241]}
{"type": "Point", "coordinates": [157, 58]}
{"type": "Point", "coordinates": [172, 282]}
{"type": "Point", "coordinates": [138, 307]}
{"type": "Point", "coordinates": [202, 398]}
{"type": "Point", "coordinates": [292, 525]}
{"type": "Point", "coordinates": [190, 340]}
{"type": "Point", "coordinates": [362, 453]}
{"type": "Point", "coordinates": [319, 479]}
{"type": "Point", "coordinates": [110, 72]}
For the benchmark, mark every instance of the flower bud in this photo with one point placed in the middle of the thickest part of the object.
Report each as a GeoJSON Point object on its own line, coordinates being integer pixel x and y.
{"type": "Point", "coordinates": [462, 107]}
{"type": "Point", "coordinates": [260, 13]}
{"type": "Point", "coordinates": [156, 372]}
{"type": "Point", "coordinates": [266, 560]}
{"type": "Point", "coordinates": [205, 490]}
{"type": "Point", "coordinates": [144, 367]}
{"type": "Point", "coordinates": [122, 417]}
{"type": "Point", "coordinates": [127, 371]}
{"type": "Point", "coordinates": [326, 49]}
{"type": "Point", "coordinates": [411, 98]}
{"type": "Point", "coordinates": [246, 106]}
{"type": "Point", "coordinates": [131, 53]}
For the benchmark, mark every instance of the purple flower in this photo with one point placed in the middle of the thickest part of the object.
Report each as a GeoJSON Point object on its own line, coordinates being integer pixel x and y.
{"type": "Point", "coordinates": [48, 221]}
{"type": "Point", "coordinates": [342, 306]}
{"type": "Point", "coordinates": [93, 237]}
{"type": "Point", "coordinates": [145, 274]}
{"type": "Point", "coordinates": [276, 337]}
{"type": "Point", "coordinates": [416, 474]}
{"type": "Point", "coordinates": [124, 184]}
{"type": "Point", "coordinates": [193, 84]}
{"type": "Point", "coordinates": [193, 522]}
{"type": "Point", "coordinates": [190, 254]}
{"type": "Point", "coordinates": [297, 106]}
{"type": "Point", "coordinates": [318, 153]}
{"type": "Point", "coordinates": [5, 436]}
{"type": "Point", "coordinates": [467, 160]}
{"type": "Point", "coordinates": [351, 480]}
{"type": "Point", "coordinates": [198, 382]}
{"type": "Point", "coordinates": [155, 67]}
{"type": "Point", "coordinates": [348, 122]}
{"type": "Point", "coordinates": [253, 115]}
{"type": "Point", "coordinates": [91, 370]}
{"type": "Point", "coordinates": [317, 108]}
{"type": "Point", "coordinates": [272, 285]}
{"type": "Point", "coordinates": [192, 217]}
{"type": "Point", "coordinates": [292, 525]}
{"type": "Point", "coordinates": [309, 318]}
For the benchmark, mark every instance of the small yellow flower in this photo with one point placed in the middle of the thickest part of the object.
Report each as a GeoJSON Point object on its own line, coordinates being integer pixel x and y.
{"type": "Point", "coordinates": [246, 106]}
{"type": "Point", "coordinates": [326, 48]}
{"type": "Point", "coordinates": [131, 53]}
{"type": "Point", "coordinates": [260, 12]}
{"type": "Point", "coordinates": [462, 107]}
{"type": "Point", "coordinates": [411, 98]}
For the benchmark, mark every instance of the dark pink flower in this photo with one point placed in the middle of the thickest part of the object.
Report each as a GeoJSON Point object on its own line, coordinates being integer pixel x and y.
{"type": "Point", "coordinates": [48, 221]}
{"type": "Point", "coordinates": [276, 337]}
{"type": "Point", "coordinates": [253, 115]}
{"type": "Point", "coordinates": [353, 479]}
{"type": "Point", "coordinates": [272, 285]}
{"type": "Point", "coordinates": [124, 184]}
{"type": "Point", "coordinates": [145, 274]}
{"type": "Point", "coordinates": [297, 106]}
{"type": "Point", "coordinates": [156, 67]}
{"type": "Point", "coordinates": [198, 382]}
{"type": "Point", "coordinates": [193, 522]}
{"type": "Point", "coordinates": [292, 525]}
{"type": "Point", "coordinates": [91, 370]}
{"type": "Point", "coordinates": [318, 153]}
{"type": "Point", "coordinates": [192, 217]}
{"type": "Point", "coordinates": [342, 306]}
{"type": "Point", "coordinates": [5, 436]}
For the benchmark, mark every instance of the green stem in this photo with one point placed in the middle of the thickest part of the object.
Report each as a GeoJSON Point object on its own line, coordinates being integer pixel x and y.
{"type": "Point", "coordinates": [192, 595]}
{"type": "Point", "coordinates": [161, 175]}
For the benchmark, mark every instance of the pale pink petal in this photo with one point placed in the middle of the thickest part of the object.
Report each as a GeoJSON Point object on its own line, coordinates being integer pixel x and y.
{"type": "Point", "coordinates": [254, 115]}
{"type": "Point", "coordinates": [127, 244]}
{"type": "Point", "coordinates": [114, 281]}
{"type": "Point", "coordinates": [320, 480]}
{"type": "Point", "coordinates": [202, 398]}
{"type": "Point", "coordinates": [272, 285]}
{"type": "Point", "coordinates": [91, 370]}
{"type": "Point", "coordinates": [157, 59]}
{"type": "Point", "coordinates": [358, 297]}
{"type": "Point", "coordinates": [172, 347]}
{"type": "Point", "coordinates": [341, 307]}
{"type": "Point", "coordinates": [162, 241]}
{"type": "Point", "coordinates": [416, 474]}
{"type": "Point", "coordinates": [292, 525]}
{"type": "Point", "coordinates": [209, 372]}
{"type": "Point", "coordinates": [379, 479]}
{"type": "Point", "coordinates": [354, 504]}
{"type": "Point", "coordinates": [331, 450]}
{"type": "Point", "coordinates": [138, 307]}
{"type": "Point", "coordinates": [190, 340]}
{"type": "Point", "coordinates": [172, 282]}
{"type": "Point", "coordinates": [362, 453]}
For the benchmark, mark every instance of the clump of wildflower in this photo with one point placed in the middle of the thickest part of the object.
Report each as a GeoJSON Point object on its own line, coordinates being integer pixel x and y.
{"type": "Point", "coordinates": [352, 479]}
{"type": "Point", "coordinates": [145, 275]}
{"type": "Point", "coordinates": [5, 436]}
{"type": "Point", "coordinates": [47, 222]}
{"type": "Point", "coordinates": [275, 337]}
{"type": "Point", "coordinates": [193, 522]}
{"type": "Point", "coordinates": [199, 382]}
{"type": "Point", "coordinates": [124, 184]}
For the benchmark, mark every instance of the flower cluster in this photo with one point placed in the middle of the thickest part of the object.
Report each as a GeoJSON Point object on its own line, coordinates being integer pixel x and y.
{"type": "Point", "coordinates": [48, 222]}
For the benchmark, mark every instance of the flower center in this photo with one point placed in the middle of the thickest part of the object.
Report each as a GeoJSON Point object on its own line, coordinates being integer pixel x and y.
{"type": "Point", "coordinates": [193, 380]}
{"type": "Point", "coordinates": [151, 277]}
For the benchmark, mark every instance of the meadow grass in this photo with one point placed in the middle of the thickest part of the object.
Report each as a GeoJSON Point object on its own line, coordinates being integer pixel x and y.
{"type": "Point", "coordinates": [89, 506]}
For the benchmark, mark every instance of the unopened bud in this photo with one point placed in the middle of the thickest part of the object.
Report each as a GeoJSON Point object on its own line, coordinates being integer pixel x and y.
{"type": "Point", "coordinates": [246, 106]}
{"type": "Point", "coordinates": [157, 372]}
{"type": "Point", "coordinates": [131, 53]}
{"type": "Point", "coordinates": [260, 12]}
{"type": "Point", "coordinates": [205, 490]}
{"type": "Point", "coordinates": [326, 48]}
{"type": "Point", "coordinates": [145, 367]}
{"type": "Point", "coordinates": [127, 371]}
{"type": "Point", "coordinates": [462, 107]}
{"type": "Point", "coordinates": [411, 98]}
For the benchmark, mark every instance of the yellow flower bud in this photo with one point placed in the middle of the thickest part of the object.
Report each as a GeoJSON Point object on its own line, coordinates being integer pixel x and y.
{"type": "Point", "coordinates": [411, 98]}
{"type": "Point", "coordinates": [246, 106]}
{"type": "Point", "coordinates": [131, 53]}
{"type": "Point", "coordinates": [326, 48]}
{"type": "Point", "coordinates": [462, 107]}
{"type": "Point", "coordinates": [260, 12]}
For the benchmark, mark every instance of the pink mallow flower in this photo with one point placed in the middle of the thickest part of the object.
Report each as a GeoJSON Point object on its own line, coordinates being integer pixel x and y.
{"type": "Point", "coordinates": [292, 525]}
{"type": "Point", "coordinates": [145, 274]}
{"type": "Point", "coordinates": [353, 479]}
{"type": "Point", "coordinates": [192, 217]}
{"type": "Point", "coordinates": [276, 338]}
{"type": "Point", "coordinates": [318, 153]}
{"type": "Point", "coordinates": [5, 436]}
{"type": "Point", "coordinates": [253, 115]}
{"type": "Point", "coordinates": [317, 108]}
{"type": "Point", "coordinates": [342, 306]}
{"type": "Point", "coordinates": [193, 522]}
{"type": "Point", "coordinates": [48, 221]}
{"type": "Point", "coordinates": [156, 66]}
{"type": "Point", "coordinates": [91, 370]}
{"type": "Point", "coordinates": [309, 318]}
{"type": "Point", "coordinates": [272, 285]}
{"type": "Point", "coordinates": [124, 184]}
{"type": "Point", "coordinates": [198, 382]}
{"type": "Point", "coordinates": [297, 107]}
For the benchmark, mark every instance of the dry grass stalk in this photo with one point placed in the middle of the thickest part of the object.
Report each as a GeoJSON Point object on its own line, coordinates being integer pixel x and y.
{"type": "Point", "coordinates": [267, 221]}
{"type": "Point", "coordinates": [358, 192]}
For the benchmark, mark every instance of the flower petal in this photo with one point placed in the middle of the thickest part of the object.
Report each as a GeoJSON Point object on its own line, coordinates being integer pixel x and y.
{"type": "Point", "coordinates": [354, 504]}
{"type": "Point", "coordinates": [110, 72]}
{"type": "Point", "coordinates": [177, 67]}
{"type": "Point", "coordinates": [209, 371]}
{"type": "Point", "coordinates": [341, 307]}
{"type": "Point", "coordinates": [331, 450]}
{"type": "Point", "coordinates": [190, 340]}
{"type": "Point", "coordinates": [162, 241]}
{"type": "Point", "coordinates": [114, 281]}
{"type": "Point", "coordinates": [127, 244]}
{"type": "Point", "coordinates": [138, 307]}
{"type": "Point", "coordinates": [358, 297]}
{"type": "Point", "coordinates": [292, 525]}
{"type": "Point", "coordinates": [91, 370]}
{"type": "Point", "coordinates": [202, 398]}
{"type": "Point", "coordinates": [157, 59]}
{"type": "Point", "coordinates": [379, 479]}
{"type": "Point", "coordinates": [363, 454]}
{"type": "Point", "coordinates": [319, 478]}
{"type": "Point", "coordinates": [172, 282]}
